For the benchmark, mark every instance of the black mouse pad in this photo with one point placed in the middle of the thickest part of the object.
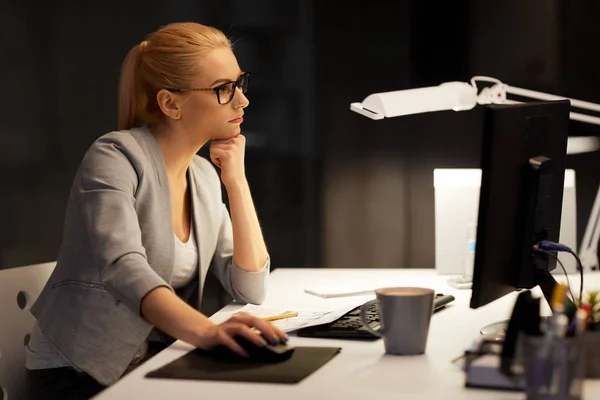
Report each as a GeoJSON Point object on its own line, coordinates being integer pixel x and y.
{"type": "Point", "coordinates": [199, 365]}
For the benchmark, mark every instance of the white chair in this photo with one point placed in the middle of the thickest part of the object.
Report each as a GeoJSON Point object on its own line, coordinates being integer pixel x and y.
{"type": "Point", "coordinates": [19, 288]}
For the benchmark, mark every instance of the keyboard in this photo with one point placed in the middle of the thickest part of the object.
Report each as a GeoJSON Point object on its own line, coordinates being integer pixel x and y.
{"type": "Point", "coordinates": [349, 326]}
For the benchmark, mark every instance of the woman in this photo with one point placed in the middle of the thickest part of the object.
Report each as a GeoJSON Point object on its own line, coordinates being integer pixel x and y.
{"type": "Point", "coordinates": [145, 222]}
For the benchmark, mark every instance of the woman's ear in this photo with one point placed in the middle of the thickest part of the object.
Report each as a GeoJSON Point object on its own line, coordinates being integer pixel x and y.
{"type": "Point", "coordinates": [167, 101]}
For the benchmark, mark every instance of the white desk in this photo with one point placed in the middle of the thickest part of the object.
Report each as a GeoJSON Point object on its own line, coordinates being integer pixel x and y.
{"type": "Point", "coordinates": [361, 370]}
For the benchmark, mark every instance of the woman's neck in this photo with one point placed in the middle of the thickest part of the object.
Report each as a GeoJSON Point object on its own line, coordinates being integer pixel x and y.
{"type": "Point", "coordinates": [177, 150]}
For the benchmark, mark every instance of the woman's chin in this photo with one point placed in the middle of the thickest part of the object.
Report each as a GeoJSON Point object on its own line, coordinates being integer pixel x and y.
{"type": "Point", "coordinates": [229, 135]}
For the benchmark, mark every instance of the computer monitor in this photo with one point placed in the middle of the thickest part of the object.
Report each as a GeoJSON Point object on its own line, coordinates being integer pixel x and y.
{"type": "Point", "coordinates": [524, 148]}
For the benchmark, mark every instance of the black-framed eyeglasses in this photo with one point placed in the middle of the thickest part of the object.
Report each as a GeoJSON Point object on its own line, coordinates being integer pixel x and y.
{"type": "Point", "coordinates": [224, 91]}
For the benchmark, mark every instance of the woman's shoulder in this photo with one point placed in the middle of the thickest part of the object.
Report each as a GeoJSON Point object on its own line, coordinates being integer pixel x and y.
{"type": "Point", "coordinates": [127, 141]}
{"type": "Point", "coordinates": [123, 146]}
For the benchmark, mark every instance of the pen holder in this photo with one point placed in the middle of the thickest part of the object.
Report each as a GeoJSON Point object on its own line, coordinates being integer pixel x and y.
{"type": "Point", "coordinates": [554, 367]}
{"type": "Point", "coordinates": [591, 341]}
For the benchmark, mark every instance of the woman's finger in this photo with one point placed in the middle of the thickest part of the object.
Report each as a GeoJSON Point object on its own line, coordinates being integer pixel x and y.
{"type": "Point", "coordinates": [246, 332]}
{"type": "Point", "coordinates": [269, 332]}
{"type": "Point", "coordinates": [221, 154]}
{"type": "Point", "coordinates": [216, 160]}
{"type": "Point", "coordinates": [226, 340]}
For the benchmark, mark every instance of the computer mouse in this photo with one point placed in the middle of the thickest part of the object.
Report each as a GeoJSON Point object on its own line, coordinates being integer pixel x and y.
{"type": "Point", "coordinates": [256, 354]}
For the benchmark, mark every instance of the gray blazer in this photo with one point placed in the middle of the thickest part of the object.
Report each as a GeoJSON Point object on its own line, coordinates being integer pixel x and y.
{"type": "Point", "coordinates": [118, 245]}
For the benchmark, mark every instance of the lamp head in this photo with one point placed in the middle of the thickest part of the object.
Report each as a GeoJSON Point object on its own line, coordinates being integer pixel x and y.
{"type": "Point", "coordinates": [457, 96]}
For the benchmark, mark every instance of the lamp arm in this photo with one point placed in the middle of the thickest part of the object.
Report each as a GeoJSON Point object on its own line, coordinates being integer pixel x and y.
{"type": "Point", "coordinates": [586, 105]}
{"type": "Point", "coordinates": [497, 94]}
{"type": "Point", "coordinates": [588, 119]}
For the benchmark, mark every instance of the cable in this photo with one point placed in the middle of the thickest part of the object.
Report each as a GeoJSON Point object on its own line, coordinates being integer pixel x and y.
{"type": "Point", "coordinates": [581, 276]}
{"type": "Point", "coordinates": [551, 254]}
{"type": "Point", "coordinates": [483, 79]}
{"type": "Point", "coordinates": [547, 245]}
{"type": "Point", "coordinates": [553, 246]}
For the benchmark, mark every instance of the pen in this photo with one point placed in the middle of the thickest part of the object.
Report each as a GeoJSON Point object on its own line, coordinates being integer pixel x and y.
{"type": "Point", "coordinates": [560, 321]}
{"type": "Point", "coordinates": [581, 321]}
{"type": "Point", "coordinates": [588, 313]}
{"type": "Point", "coordinates": [281, 316]}
{"type": "Point", "coordinates": [558, 298]}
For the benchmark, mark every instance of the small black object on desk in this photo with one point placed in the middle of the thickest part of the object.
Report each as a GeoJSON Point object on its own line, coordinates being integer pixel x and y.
{"type": "Point", "coordinates": [256, 354]}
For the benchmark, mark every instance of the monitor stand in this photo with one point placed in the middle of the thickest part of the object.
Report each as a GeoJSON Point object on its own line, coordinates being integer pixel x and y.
{"type": "Point", "coordinates": [546, 282]}
{"type": "Point", "coordinates": [495, 328]}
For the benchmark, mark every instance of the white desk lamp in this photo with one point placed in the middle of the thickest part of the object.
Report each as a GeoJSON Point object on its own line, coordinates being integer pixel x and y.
{"type": "Point", "coordinates": [462, 96]}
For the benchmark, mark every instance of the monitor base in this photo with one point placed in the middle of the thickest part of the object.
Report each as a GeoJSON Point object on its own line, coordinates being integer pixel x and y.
{"type": "Point", "coordinates": [497, 330]}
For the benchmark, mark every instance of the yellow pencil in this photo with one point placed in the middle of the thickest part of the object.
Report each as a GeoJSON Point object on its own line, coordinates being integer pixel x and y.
{"type": "Point", "coordinates": [281, 316]}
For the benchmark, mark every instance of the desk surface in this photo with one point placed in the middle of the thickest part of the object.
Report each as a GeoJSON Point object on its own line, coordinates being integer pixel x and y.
{"type": "Point", "coordinates": [362, 368]}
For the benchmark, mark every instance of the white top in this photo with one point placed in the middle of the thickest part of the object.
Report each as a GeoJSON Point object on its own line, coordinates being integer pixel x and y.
{"type": "Point", "coordinates": [186, 261]}
{"type": "Point", "coordinates": [361, 368]}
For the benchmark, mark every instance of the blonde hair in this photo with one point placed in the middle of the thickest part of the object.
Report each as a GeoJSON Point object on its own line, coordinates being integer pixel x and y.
{"type": "Point", "coordinates": [168, 58]}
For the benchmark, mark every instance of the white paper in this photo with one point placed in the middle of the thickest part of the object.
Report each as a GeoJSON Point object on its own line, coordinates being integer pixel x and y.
{"type": "Point", "coordinates": [305, 318]}
{"type": "Point", "coordinates": [340, 290]}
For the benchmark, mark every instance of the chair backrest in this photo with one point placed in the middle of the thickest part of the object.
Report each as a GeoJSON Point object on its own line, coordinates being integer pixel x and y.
{"type": "Point", "coordinates": [19, 288]}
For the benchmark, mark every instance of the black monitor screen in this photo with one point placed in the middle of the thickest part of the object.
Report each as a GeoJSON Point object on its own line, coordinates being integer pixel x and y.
{"type": "Point", "coordinates": [523, 165]}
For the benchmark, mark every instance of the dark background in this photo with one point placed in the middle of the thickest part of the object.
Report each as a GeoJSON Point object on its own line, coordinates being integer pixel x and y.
{"type": "Point", "coordinates": [332, 188]}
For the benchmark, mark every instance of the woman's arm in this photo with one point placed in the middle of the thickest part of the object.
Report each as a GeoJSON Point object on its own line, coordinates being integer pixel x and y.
{"type": "Point", "coordinates": [249, 250]}
{"type": "Point", "coordinates": [243, 285]}
{"type": "Point", "coordinates": [163, 309]}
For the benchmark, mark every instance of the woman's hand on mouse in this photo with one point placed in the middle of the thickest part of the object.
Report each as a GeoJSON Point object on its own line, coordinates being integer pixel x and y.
{"type": "Point", "coordinates": [241, 324]}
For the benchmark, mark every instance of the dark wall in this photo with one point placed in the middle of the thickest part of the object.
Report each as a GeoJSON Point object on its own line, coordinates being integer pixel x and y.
{"type": "Point", "coordinates": [59, 67]}
{"type": "Point", "coordinates": [378, 191]}
{"type": "Point", "coordinates": [332, 188]}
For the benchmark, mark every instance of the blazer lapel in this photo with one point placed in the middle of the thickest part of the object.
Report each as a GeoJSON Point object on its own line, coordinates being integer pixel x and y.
{"type": "Point", "coordinates": [200, 222]}
{"type": "Point", "coordinates": [163, 261]}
